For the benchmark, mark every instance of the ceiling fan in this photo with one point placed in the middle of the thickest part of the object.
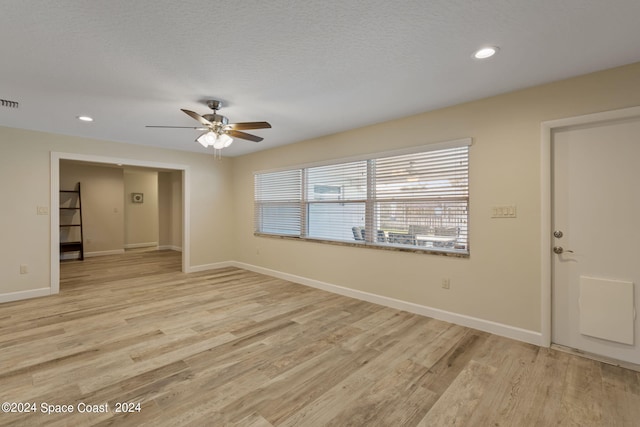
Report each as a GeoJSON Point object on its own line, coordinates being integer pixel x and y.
{"type": "Point", "coordinates": [218, 132]}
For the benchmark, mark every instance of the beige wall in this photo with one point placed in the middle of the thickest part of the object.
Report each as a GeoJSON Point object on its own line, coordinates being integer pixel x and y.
{"type": "Point", "coordinates": [25, 185]}
{"type": "Point", "coordinates": [165, 200]}
{"type": "Point", "coordinates": [102, 204]}
{"type": "Point", "coordinates": [176, 210]}
{"type": "Point", "coordinates": [501, 280]}
{"type": "Point", "coordinates": [141, 219]}
{"type": "Point", "coordinates": [170, 213]}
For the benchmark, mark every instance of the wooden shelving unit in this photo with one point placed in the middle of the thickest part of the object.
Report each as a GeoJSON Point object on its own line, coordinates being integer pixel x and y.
{"type": "Point", "coordinates": [71, 239]}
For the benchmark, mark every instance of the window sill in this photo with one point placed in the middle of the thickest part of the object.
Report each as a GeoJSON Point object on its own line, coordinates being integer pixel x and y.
{"type": "Point", "coordinates": [455, 253]}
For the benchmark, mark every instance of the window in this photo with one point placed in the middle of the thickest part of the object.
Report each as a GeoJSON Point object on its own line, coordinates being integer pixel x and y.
{"type": "Point", "coordinates": [344, 206]}
{"type": "Point", "coordinates": [417, 200]}
{"type": "Point", "coordinates": [277, 202]}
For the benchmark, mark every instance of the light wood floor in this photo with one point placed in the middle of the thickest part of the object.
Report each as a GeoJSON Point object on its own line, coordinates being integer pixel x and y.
{"type": "Point", "coordinates": [232, 347]}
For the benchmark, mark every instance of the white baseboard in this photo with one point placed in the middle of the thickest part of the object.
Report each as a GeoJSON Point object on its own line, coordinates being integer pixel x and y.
{"type": "Point", "coordinates": [69, 255]}
{"type": "Point", "coordinates": [103, 253]}
{"type": "Point", "coordinates": [170, 248]}
{"type": "Point", "coordinates": [140, 245]}
{"type": "Point", "coordinates": [205, 267]}
{"type": "Point", "coordinates": [20, 295]}
{"type": "Point", "coordinates": [74, 255]}
{"type": "Point", "coordinates": [495, 328]}
{"type": "Point", "coordinates": [500, 329]}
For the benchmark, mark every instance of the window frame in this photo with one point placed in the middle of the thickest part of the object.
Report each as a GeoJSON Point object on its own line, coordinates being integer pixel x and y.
{"type": "Point", "coordinates": [370, 242]}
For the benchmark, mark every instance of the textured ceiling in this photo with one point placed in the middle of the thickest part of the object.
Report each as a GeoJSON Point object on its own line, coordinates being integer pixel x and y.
{"type": "Point", "coordinates": [310, 68]}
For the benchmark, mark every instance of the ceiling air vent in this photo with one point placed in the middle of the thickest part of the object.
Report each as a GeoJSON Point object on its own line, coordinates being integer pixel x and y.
{"type": "Point", "coordinates": [9, 104]}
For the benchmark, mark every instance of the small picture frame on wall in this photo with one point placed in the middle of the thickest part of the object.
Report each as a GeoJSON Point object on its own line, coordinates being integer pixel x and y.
{"type": "Point", "coordinates": [137, 197]}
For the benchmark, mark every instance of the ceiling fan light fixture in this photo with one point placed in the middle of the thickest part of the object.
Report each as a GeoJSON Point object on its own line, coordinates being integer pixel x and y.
{"type": "Point", "coordinates": [216, 128]}
{"type": "Point", "coordinates": [219, 144]}
{"type": "Point", "coordinates": [226, 140]}
{"type": "Point", "coordinates": [207, 139]}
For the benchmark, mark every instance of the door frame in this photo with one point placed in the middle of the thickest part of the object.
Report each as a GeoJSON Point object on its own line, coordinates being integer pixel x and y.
{"type": "Point", "coordinates": [547, 129]}
{"type": "Point", "coordinates": [55, 216]}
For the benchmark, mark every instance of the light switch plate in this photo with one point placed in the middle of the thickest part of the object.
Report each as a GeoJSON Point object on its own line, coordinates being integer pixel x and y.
{"type": "Point", "coordinates": [43, 210]}
{"type": "Point", "coordinates": [504, 211]}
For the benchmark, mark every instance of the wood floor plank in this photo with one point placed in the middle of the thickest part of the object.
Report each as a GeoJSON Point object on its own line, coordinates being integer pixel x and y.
{"type": "Point", "coordinates": [582, 396]}
{"type": "Point", "coordinates": [376, 405]}
{"type": "Point", "coordinates": [296, 388]}
{"type": "Point", "coordinates": [234, 347]}
{"type": "Point", "coordinates": [457, 404]}
{"type": "Point", "coordinates": [539, 403]}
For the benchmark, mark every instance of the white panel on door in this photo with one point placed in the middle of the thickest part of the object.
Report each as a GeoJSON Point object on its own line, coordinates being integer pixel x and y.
{"type": "Point", "coordinates": [606, 309]}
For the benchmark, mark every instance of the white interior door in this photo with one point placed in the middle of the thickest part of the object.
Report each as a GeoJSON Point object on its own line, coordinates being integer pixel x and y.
{"type": "Point", "coordinates": [596, 226]}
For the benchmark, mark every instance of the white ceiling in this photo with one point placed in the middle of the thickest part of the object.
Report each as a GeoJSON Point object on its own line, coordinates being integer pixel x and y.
{"type": "Point", "coordinates": [310, 68]}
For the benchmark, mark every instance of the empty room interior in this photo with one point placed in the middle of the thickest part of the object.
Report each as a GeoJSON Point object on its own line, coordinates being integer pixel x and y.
{"type": "Point", "coordinates": [357, 213]}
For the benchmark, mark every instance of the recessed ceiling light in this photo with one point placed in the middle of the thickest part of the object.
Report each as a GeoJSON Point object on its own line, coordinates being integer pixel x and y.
{"type": "Point", "coordinates": [85, 118]}
{"type": "Point", "coordinates": [485, 52]}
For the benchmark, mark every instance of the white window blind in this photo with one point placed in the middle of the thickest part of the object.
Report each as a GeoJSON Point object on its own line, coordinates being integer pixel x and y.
{"type": "Point", "coordinates": [423, 199]}
{"type": "Point", "coordinates": [277, 202]}
{"type": "Point", "coordinates": [418, 201]}
{"type": "Point", "coordinates": [335, 199]}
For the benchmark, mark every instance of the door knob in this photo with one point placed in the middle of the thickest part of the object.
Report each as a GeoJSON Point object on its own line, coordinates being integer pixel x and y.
{"type": "Point", "coordinates": [559, 250]}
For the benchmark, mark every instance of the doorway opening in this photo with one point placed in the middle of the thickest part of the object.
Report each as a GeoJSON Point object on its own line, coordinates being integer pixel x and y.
{"type": "Point", "coordinates": [174, 178]}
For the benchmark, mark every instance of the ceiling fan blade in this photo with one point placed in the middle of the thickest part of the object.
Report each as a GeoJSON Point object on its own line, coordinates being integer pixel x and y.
{"type": "Point", "coordinates": [179, 127]}
{"type": "Point", "coordinates": [198, 117]}
{"type": "Point", "coordinates": [249, 125]}
{"type": "Point", "coordinates": [244, 135]}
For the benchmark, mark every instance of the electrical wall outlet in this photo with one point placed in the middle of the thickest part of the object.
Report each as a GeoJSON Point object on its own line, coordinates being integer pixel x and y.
{"type": "Point", "coordinates": [446, 283]}
{"type": "Point", "coordinates": [24, 268]}
{"type": "Point", "coordinates": [43, 210]}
